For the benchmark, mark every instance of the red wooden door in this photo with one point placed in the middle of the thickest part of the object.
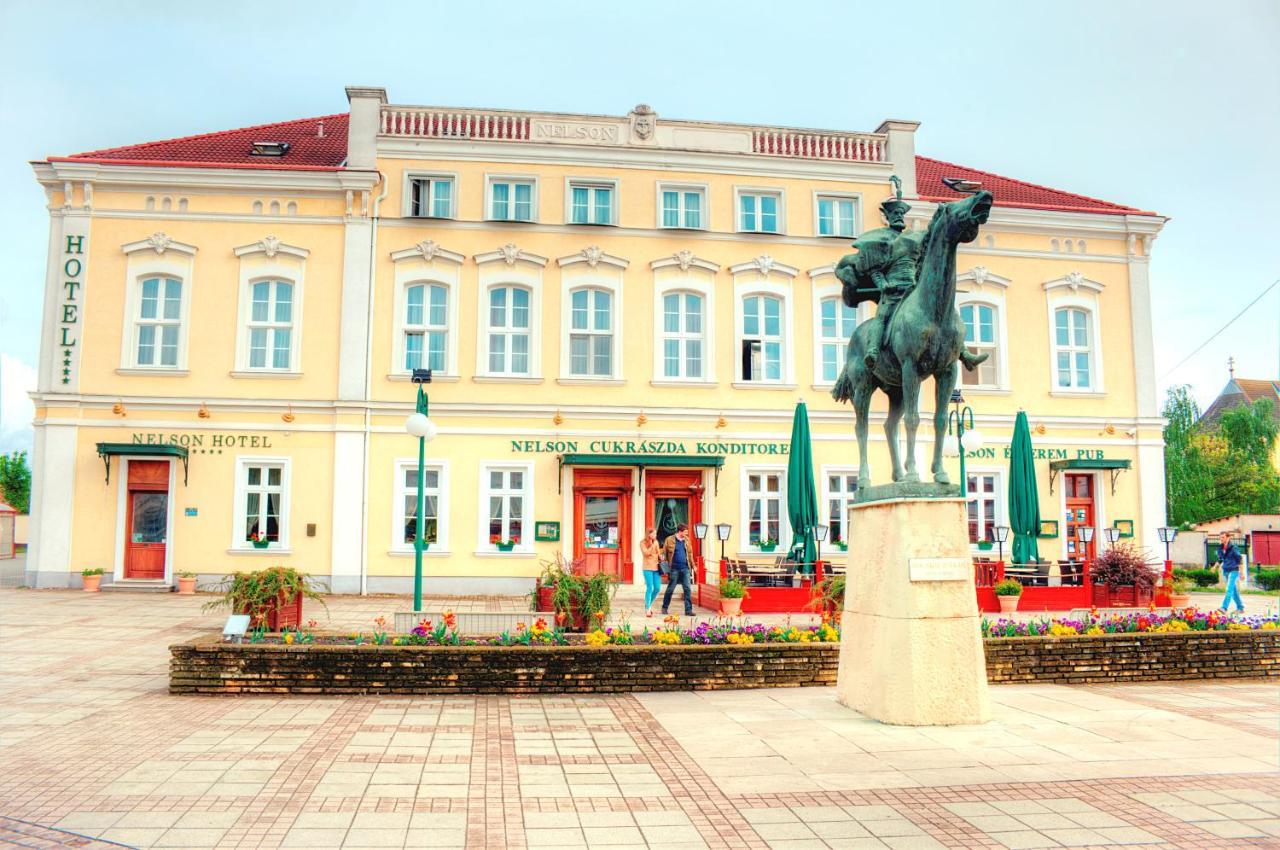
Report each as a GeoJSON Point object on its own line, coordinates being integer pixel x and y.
{"type": "Point", "coordinates": [673, 497]}
{"type": "Point", "coordinates": [146, 519]}
{"type": "Point", "coordinates": [1265, 549]}
{"type": "Point", "coordinates": [602, 522]}
{"type": "Point", "coordinates": [1078, 490]}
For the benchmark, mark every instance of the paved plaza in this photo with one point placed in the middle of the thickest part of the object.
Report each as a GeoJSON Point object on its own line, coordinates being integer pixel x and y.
{"type": "Point", "coordinates": [92, 745]}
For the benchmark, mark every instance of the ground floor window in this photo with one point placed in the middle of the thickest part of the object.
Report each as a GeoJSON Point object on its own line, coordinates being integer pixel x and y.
{"type": "Point", "coordinates": [983, 494]}
{"type": "Point", "coordinates": [406, 504]}
{"type": "Point", "coordinates": [841, 488]}
{"type": "Point", "coordinates": [262, 503]}
{"type": "Point", "coordinates": [507, 496]}
{"type": "Point", "coordinates": [764, 508]}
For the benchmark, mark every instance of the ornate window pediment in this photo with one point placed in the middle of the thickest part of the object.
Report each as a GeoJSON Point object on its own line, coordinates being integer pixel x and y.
{"type": "Point", "coordinates": [1074, 281]}
{"type": "Point", "coordinates": [765, 265]}
{"type": "Point", "coordinates": [428, 250]}
{"type": "Point", "coordinates": [271, 247]}
{"type": "Point", "coordinates": [159, 242]}
{"type": "Point", "coordinates": [980, 278]}
{"type": "Point", "coordinates": [684, 260]}
{"type": "Point", "coordinates": [593, 257]}
{"type": "Point", "coordinates": [510, 254]}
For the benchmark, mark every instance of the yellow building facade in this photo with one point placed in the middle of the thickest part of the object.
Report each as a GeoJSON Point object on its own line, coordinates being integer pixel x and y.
{"type": "Point", "coordinates": [620, 314]}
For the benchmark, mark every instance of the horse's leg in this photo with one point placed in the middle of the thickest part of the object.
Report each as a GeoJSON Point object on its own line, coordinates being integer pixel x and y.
{"type": "Point", "coordinates": [891, 430]}
{"type": "Point", "coordinates": [911, 413]}
{"type": "Point", "coordinates": [944, 383]}
{"type": "Point", "coordinates": [862, 391]}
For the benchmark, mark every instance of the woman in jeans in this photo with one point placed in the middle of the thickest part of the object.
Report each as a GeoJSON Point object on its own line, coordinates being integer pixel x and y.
{"type": "Point", "coordinates": [650, 550]}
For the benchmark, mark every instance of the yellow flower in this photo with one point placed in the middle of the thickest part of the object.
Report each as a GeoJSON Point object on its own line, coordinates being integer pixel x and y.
{"type": "Point", "coordinates": [666, 637]}
{"type": "Point", "coordinates": [1237, 627]}
{"type": "Point", "coordinates": [597, 638]}
{"type": "Point", "coordinates": [1269, 626]}
{"type": "Point", "coordinates": [1059, 629]}
{"type": "Point", "coordinates": [739, 637]}
{"type": "Point", "coordinates": [288, 637]}
{"type": "Point", "coordinates": [1095, 630]}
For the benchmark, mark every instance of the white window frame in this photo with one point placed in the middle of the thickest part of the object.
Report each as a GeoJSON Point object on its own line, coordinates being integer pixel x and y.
{"type": "Point", "coordinates": [681, 336]}
{"type": "Point", "coordinates": [846, 499]}
{"type": "Point", "coordinates": [699, 277]}
{"type": "Point", "coordinates": [822, 195]}
{"type": "Point", "coordinates": [523, 270]}
{"type": "Point", "coordinates": [994, 348]}
{"type": "Point", "coordinates": [590, 332]}
{"type": "Point", "coordinates": [158, 323]}
{"type": "Point", "coordinates": [820, 342]}
{"type": "Point", "coordinates": [980, 286]}
{"type": "Point", "coordinates": [278, 262]}
{"type": "Point", "coordinates": [1078, 292]}
{"type": "Point", "coordinates": [529, 179]}
{"type": "Point", "coordinates": [701, 188]}
{"type": "Point", "coordinates": [1072, 350]}
{"type": "Point", "coordinates": [400, 492]}
{"type": "Point", "coordinates": [410, 177]}
{"type": "Point", "coordinates": [744, 544]}
{"type": "Point", "coordinates": [998, 496]}
{"type": "Point", "coordinates": [780, 194]}
{"type": "Point", "coordinates": [240, 506]}
{"type": "Point", "coordinates": [412, 267]}
{"type": "Point", "coordinates": [827, 285]}
{"type": "Point", "coordinates": [508, 331]}
{"type": "Point", "coordinates": [525, 546]}
{"type": "Point", "coordinates": [271, 325]}
{"type": "Point", "coordinates": [144, 263]}
{"type": "Point", "coordinates": [448, 328]}
{"type": "Point", "coordinates": [590, 184]}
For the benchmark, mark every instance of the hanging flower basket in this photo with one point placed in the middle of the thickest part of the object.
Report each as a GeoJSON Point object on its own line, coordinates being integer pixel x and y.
{"type": "Point", "coordinates": [767, 545]}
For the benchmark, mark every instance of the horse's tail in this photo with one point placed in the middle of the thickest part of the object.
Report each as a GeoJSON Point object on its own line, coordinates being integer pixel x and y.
{"type": "Point", "coordinates": [843, 389]}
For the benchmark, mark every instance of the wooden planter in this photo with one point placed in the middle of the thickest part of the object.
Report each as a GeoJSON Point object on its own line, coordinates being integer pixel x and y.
{"type": "Point", "coordinates": [278, 614]}
{"type": "Point", "coordinates": [544, 598]}
{"type": "Point", "coordinates": [1119, 596]}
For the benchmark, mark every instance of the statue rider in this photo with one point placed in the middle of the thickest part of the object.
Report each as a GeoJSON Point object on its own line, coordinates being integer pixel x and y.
{"type": "Point", "coordinates": [884, 270]}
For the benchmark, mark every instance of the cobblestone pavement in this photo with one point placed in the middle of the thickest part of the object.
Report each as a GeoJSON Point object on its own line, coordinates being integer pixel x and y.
{"type": "Point", "coordinates": [93, 748]}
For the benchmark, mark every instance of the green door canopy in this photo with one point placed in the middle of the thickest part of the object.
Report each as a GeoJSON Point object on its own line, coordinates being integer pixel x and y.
{"type": "Point", "coordinates": [108, 450]}
{"type": "Point", "coordinates": [713, 462]}
{"type": "Point", "coordinates": [1024, 499]}
{"type": "Point", "coordinates": [1087, 464]}
{"type": "Point", "coordinates": [802, 499]}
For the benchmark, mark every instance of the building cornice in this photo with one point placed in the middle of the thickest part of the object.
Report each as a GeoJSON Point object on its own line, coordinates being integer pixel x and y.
{"type": "Point", "coordinates": [1051, 222]}
{"type": "Point", "coordinates": [54, 174]}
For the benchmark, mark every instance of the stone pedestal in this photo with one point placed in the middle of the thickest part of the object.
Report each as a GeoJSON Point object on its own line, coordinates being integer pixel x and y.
{"type": "Point", "coordinates": [911, 648]}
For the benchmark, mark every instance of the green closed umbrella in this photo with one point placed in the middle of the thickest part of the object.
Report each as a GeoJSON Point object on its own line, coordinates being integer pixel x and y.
{"type": "Point", "coordinates": [802, 498]}
{"type": "Point", "coordinates": [1024, 500]}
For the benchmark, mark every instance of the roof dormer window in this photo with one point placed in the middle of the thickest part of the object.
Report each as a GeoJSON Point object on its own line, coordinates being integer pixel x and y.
{"type": "Point", "coordinates": [269, 148]}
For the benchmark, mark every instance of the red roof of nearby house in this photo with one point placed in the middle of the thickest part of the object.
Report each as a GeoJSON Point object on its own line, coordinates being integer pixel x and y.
{"type": "Point", "coordinates": [1242, 391]}
{"type": "Point", "coordinates": [1008, 192]}
{"type": "Point", "coordinates": [232, 148]}
{"type": "Point", "coordinates": [309, 150]}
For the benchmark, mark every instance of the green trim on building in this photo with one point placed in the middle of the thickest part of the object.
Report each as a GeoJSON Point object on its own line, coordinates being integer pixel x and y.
{"type": "Point", "coordinates": [107, 450]}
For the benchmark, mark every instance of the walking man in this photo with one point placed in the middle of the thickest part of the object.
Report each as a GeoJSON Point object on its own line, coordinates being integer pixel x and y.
{"type": "Point", "coordinates": [676, 553]}
{"type": "Point", "coordinates": [1229, 558]}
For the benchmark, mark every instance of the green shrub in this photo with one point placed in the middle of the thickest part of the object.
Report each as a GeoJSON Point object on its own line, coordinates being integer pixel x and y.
{"type": "Point", "coordinates": [731, 588]}
{"type": "Point", "coordinates": [1009, 587]}
{"type": "Point", "coordinates": [94, 571]}
{"type": "Point", "coordinates": [1201, 577]}
{"type": "Point", "coordinates": [1267, 579]}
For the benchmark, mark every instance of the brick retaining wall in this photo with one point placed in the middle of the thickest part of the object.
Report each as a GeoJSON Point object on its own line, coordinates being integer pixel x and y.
{"type": "Point", "coordinates": [208, 666]}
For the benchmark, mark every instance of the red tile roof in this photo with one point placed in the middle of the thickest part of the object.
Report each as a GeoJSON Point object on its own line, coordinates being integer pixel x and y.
{"type": "Point", "coordinates": [1008, 192]}
{"type": "Point", "coordinates": [232, 148]}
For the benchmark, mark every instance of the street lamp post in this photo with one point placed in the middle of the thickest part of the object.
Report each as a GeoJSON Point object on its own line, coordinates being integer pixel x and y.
{"type": "Point", "coordinates": [819, 537]}
{"type": "Point", "coordinates": [1001, 533]}
{"type": "Point", "coordinates": [418, 425]}
{"type": "Point", "coordinates": [966, 438]}
{"type": "Point", "coordinates": [1167, 535]}
{"type": "Point", "coordinates": [1085, 533]}
{"type": "Point", "coordinates": [1112, 534]}
{"type": "Point", "coordinates": [700, 531]}
{"type": "Point", "coordinates": [722, 534]}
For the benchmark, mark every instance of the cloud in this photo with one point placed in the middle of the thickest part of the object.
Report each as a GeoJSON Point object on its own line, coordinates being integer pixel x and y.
{"type": "Point", "coordinates": [16, 410]}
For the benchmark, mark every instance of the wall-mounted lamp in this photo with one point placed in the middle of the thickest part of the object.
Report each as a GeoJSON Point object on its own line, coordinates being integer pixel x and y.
{"type": "Point", "coordinates": [641, 419]}
{"type": "Point", "coordinates": [288, 416]}
{"type": "Point", "coordinates": [557, 419]}
{"type": "Point", "coordinates": [722, 422]}
{"type": "Point", "coordinates": [118, 409]}
{"type": "Point", "coordinates": [203, 412]}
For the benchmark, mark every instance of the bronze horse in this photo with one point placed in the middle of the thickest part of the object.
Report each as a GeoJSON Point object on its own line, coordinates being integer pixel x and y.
{"type": "Point", "coordinates": [925, 337]}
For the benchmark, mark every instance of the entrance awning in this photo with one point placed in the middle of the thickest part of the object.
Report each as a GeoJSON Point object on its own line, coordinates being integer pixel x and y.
{"type": "Point", "coordinates": [715, 462]}
{"type": "Point", "coordinates": [1089, 464]}
{"type": "Point", "coordinates": [107, 450]}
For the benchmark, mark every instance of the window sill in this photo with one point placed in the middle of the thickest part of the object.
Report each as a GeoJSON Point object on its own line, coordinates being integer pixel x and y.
{"type": "Point", "coordinates": [430, 553]}
{"type": "Point", "coordinates": [494, 553]}
{"type": "Point", "coordinates": [834, 236]}
{"type": "Point", "coordinates": [433, 217]}
{"type": "Point", "coordinates": [822, 387]}
{"type": "Point", "coordinates": [268, 551]}
{"type": "Point", "coordinates": [686, 229]}
{"type": "Point", "coordinates": [676, 383]}
{"type": "Point", "coordinates": [436, 378]}
{"type": "Point", "coordinates": [504, 379]}
{"type": "Point", "coordinates": [599, 382]}
{"type": "Point", "coordinates": [762, 385]}
{"type": "Point", "coordinates": [984, 390]}
{"type": "Point", "coordinates": [1077, 394]}
{"type": "Point", "coordinates": [153, 372]}
{"type": "Point", "coordinates": [265, 373]}
{"type": "Point", "coordinates": [591, 224]}
{"type": "Point", "coordinates": [511, 221]}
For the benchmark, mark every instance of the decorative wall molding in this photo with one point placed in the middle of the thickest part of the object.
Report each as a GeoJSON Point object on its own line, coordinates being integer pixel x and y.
{"type": "Point", "coordinates": [765, 265]}
{"type": "Point", "coordinates": [271, 246]}
{"type": "Point", "coordinates": [159, 242]}
{"type": "Point", "coordinates": [1075, 281]}
{"type": "Point", "coordinates": [593, 256]}
{"type": "Point", "coordinates": [684, 260]}
{"type": "Point", "coordinates": [428, 250]}
{"type": "Point", "coordinates": [981, 277]}
{"type": "Point", "coordinates": [510, 254]}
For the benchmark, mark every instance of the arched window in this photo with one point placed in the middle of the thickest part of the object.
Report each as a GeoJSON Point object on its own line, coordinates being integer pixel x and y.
{"type": "Point", "coordinates": [159, 321]}
{"type": "Point", "coordinates": [591, 333]}
{"type": "Point", "coordinates": [271, 325]}
{"type": "Point", "coordinates": [426, 326]}
{"type": "Point", "coordinates": [1073, 349]}
{"type": "Point", "coordinates": [682, 335]}
{"type": "Point", "coordinates": [981, 336]}
{"type": "Point", "coordinates": [837, 322]}
{"type": "Point", "coordinates": [508, 330]}
{"type": "Point", "coordinates": [762, 338]}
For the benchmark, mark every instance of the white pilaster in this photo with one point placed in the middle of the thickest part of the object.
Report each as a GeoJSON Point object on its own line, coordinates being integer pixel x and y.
{"type": "Point", "coordinates": [902, 151]}
{"type": "Point", "coordinates": [353, 329]}
{"type": "Point", "coordinates": [1152, 496]}
{"type": "Point", "coordinates": [349, 477]}
{"type": "Point", "coordinates": [45, 372]}
{"type": "Point", "coordinates": [52, 502]}
{"type": "Point", "coordinates": [1144, 353]}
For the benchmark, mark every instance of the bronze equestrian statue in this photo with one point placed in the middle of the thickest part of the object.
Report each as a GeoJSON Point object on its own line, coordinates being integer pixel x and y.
{"type": "Point", "coordinates": [917, 331]}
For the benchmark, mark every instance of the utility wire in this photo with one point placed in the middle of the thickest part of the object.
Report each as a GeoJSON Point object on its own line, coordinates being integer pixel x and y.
{"type": "Point", "coordinates": [1200, 347]}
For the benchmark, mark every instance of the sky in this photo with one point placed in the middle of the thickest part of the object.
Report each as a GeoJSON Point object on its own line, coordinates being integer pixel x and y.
{"type": "Point", "coordinates": [1171, 106]}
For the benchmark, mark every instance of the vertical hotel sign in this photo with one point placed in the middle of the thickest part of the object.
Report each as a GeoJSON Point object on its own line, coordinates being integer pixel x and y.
{"type": "Point", "coordinates": [72, 296]}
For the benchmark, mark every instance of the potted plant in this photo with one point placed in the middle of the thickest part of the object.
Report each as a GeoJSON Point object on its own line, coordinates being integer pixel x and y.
{"type": "Point", "coordinates": [259, 540]}
{"type": "Point", "coordinates": [767, 545]}
{"type": "Point", "coordinates": [1122, 577]}
{"type": "Point", "coordinates": [186, 583]}
{"type": "Point", "coordinates": [505, 545]}
{"type": "Point", "coordinates": [271, 597]}
{"type": "Point", "coordinates": [596, 600]}
{"type": "Point", "coordinates": [984, 546]}
{"type": "Point", "coordinates": [1008, 592]}
{"type": "Point", "coordinates": [829, 597]}
{"type": "Point", "coordinates": [92, 579]}
{"type": "Point", "coordinates": [1180, 593]}
{"type": "Point", "coordinates": [732, 593]}
{"type": "Point", "coordinates": [545, 586]}
{"type": "Point", "coordinates": [565, 599]}
{"type": "Point", "coordinates": [842, 545]}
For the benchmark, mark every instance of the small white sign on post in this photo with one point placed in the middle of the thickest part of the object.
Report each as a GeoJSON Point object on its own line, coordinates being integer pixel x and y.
{"type": "Point", "coordinates": [939, 569]}
{"type": "Point", "coordinates": [237, 625]}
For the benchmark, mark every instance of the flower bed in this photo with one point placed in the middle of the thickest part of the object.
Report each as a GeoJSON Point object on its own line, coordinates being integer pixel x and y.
{"type": "Point", "coordinates": [1094, 624]}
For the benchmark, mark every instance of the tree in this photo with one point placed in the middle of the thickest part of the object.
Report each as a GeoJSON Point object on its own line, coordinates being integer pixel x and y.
{"type": "Point", "coordinates": [1188, 478]}
{"type": "Point", "coordinates": [1251, 430]}
{"type": "Point", "coordinates": [15, 481]}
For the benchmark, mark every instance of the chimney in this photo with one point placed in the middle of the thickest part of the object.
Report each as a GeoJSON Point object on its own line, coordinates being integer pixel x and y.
{"type": "Point", "coordinates": [362, 131]}
{"type": "Point", "coordinates": [902, 152]}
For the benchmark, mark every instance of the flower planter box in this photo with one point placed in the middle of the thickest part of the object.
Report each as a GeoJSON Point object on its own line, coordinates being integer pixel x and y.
{"type": "Point", "coordinates": [766, 547]}
{"type": "Point", "coordinates": [279, 614]}
{"type": "Point", "coordinates": [1121, 596]}
{"type": "Point", "coordinates": [260, 544]}
{"type": "Point", "coordinates": [544, 598]}
{"type": "Point", "coordinates": [505, 547]}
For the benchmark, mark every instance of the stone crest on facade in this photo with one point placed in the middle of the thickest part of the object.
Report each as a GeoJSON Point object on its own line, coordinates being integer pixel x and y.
{"type": "Point", "coordinates": [159, 241]}
{"type": "Point", "coordinates": [510, 253]}
{"type": "Point", "coordinates": [643, 122]}
{"type": "Point", "coordinates": [428, 248]}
